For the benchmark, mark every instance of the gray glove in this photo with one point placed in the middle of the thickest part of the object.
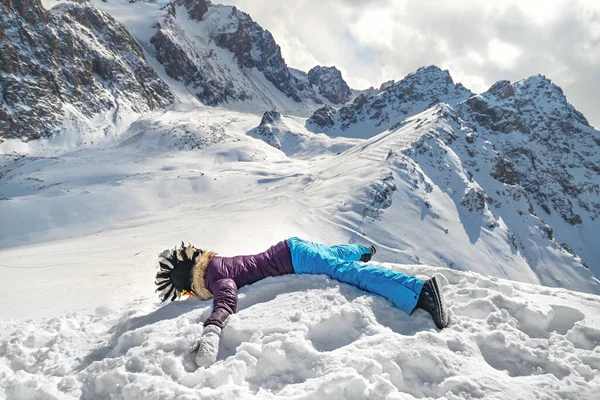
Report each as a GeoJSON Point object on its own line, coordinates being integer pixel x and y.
{"type": "Point", "coordinates": [208, 346]}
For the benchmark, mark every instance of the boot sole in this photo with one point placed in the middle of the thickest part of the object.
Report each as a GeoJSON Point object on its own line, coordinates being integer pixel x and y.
{"type": "Point", "coordinates": [441, 306]}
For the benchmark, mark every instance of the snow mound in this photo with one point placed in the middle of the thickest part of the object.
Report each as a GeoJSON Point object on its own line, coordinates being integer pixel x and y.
{"type": "Point", "coordinates": [180, 131]}
{"type": "Point", "coordinates": [311, 337]}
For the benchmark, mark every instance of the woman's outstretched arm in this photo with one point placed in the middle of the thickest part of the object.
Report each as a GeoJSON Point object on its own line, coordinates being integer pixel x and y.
{"type": "Point", "coordinates": [224, 302]}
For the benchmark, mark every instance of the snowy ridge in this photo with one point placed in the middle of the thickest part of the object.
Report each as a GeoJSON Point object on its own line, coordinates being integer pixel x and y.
{"type": "Point", "coordinates": [506, 340]}
{"type": "Point", "coordinates": [414, 187]}
{"type": "Point", "coordinates": [368, 114]}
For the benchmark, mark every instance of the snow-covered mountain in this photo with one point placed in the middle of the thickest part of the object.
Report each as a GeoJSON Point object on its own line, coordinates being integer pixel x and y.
{"type": "Point", "coordinates": [428, 187]}
{"type": "Point", "coordinates": [224, 57]}
{"type": "Point", "coordinates": [73, 66]}
{"type": "Point", "coordinates": [528, 137]}
{"type": "Point", "coordinates": [518, 147]}
{"type": "Point", "coordinates": [369, 114]}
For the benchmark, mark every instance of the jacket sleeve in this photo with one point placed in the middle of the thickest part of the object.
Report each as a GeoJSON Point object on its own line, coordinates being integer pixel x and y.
{"type": "Point", "coordinates": [224, 302]}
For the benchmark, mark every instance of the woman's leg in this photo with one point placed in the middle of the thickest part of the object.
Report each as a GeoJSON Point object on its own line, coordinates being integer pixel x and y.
{"type": "Point", "coordinates": [307, 255]}
{"type": "Point", "coordinates": [349, 252]}
{"type": "Point", "coordinates": [402, 290]}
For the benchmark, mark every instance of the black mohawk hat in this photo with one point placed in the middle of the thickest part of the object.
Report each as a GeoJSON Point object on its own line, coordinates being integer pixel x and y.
{"type": "Point", "coordinates": [176, 271]}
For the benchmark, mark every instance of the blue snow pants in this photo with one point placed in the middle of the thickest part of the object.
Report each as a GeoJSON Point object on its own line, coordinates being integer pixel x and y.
{"type": "Point", "coordinates": [340, 262]}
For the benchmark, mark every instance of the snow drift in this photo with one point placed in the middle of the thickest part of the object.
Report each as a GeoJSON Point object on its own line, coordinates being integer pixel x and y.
{"type": "Point", "coordinates": [327, 340]}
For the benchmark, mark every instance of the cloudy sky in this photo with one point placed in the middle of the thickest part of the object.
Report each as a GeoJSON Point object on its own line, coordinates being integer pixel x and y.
{"type": "Point", "coordinates": [479, 42]}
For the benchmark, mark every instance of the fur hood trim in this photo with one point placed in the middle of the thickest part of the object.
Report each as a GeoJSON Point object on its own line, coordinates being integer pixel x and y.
{"type": "Point", "coordinates": [199, 275]}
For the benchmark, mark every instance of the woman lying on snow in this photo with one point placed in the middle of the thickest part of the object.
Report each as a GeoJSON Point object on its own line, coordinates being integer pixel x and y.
{"type": "Point", "coordinates": [207, 276]}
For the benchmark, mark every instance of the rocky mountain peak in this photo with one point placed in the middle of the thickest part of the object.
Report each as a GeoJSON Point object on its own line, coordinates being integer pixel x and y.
{"type": "Point", "coordinates": [528, 106]}
{"type": "Point", "coordinates": [371, 114]}
{"type": "Point", "coordinates": [433, 83]}
{"type": "Point", "coordinates": [502, 89]}
{"type": "Point", "coordinates": [270, 117]}
{"type": "Point", "coordinates": [541, 143]}
{"type": "Point", "coordinates": [428, 74]}
{"type": "Point", "coordinates": [329, 83]}
{"type": "Point", "coordinates": [544, 90]}
{"type": "Point", "coordinates": [193, 53]}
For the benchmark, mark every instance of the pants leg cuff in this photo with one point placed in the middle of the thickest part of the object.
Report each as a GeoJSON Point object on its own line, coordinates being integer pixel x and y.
{"type": "Point", "coordinates": [412, 304]}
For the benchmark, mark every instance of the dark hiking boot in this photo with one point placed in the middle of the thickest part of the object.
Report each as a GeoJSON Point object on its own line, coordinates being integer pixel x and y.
{"type": "Point", "coordinates": [367, 256]}
{"type": "Point", "coordinates": [431, 301]}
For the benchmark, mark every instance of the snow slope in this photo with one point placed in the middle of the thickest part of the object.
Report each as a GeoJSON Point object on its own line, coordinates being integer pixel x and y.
{"type": "Point", "coordinates": [292, 138]}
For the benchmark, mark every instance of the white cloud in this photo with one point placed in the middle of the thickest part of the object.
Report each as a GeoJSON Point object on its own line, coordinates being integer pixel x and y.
{"type": "Point", "coordinates": [503, 54]}
{"type": "Point", "coordinates": [480, 42]}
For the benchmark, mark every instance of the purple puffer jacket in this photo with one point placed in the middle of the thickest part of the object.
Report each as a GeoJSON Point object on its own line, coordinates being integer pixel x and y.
{"type": "Point", "coordinates": [224, 275]}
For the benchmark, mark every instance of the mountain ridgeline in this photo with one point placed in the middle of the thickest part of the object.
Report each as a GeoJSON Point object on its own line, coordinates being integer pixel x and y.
{"type": "Point", "coordinates": [369, 115]}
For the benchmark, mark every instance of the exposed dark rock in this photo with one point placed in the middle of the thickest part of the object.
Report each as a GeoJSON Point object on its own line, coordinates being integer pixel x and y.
{"type": "Point", "coordinates": [178, 65]}
{"type": "Point", "coordinates": [361, 100]}
{"type": "Point", "coordinates": [196, 8]}
{"type": "Point", "coordinates": [474, 200]}
{"type": "Point", "coordinates": [477, 104]}
{"type": "Point", "coordinates": [379, 196]}
{"type": "Point", "coordinates": [504, 172]}
{"type": "Point", "coordinates": [322, 118]}
{"type": "Point", "coordinates": [386, 85]}
{"type": "Point", "coordinates": [502, 89]}
{"type": "Point", "coordinates": [330, 84]}
{"type": "Point", "coordinates": [270, 117]}
{"type": "Point", "coordinates": [255, 47]}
